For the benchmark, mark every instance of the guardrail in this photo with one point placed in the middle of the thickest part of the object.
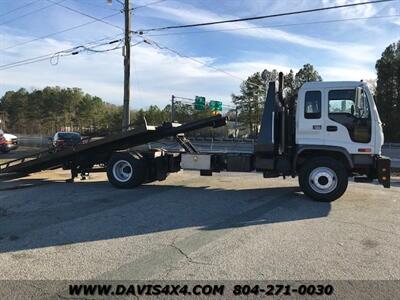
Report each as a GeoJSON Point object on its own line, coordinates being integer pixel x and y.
{"type": "Point", "coordinates": [392, 145]}
{"type": "Point", "coordinates": [32, 140]}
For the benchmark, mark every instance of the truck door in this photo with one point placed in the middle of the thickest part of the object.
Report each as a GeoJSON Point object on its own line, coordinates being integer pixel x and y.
{"type": "Point", "coordinates": [345, 125]}
{"type": "Point", "coordinates": [309, 118]}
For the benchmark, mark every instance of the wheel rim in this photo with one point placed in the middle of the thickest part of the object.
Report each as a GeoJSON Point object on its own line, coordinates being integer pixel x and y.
{"type": "Point", "coordinates": [323, 180]}
{"type": "Point", "coordinates": [122, 170]}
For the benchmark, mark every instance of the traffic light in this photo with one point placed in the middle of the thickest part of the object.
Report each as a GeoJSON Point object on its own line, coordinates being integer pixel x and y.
{"type": "Point", "coordinates": [215, 105]}
{"type": "Point", "coordinates": [200, 103]}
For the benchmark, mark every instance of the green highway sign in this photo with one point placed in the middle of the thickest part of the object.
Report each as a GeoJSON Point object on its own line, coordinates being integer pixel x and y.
{"type": "Point", "coordinates": [200, 103]}
{"type": "Point", "coordinates": [215, 105]}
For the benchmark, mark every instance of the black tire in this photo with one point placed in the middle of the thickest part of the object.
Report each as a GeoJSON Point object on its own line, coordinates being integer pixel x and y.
{"type": "Point", "coordinates": [332, 179]}
{"type": "Point", "coordinates": [121, 164]}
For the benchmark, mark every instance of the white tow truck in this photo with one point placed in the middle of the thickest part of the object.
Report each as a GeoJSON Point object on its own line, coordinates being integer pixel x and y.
{"type": "Point", "coordinates": [328, 133]}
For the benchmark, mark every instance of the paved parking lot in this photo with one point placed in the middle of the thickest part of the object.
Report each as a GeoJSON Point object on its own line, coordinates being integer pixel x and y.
{"type": "Point", "coordinates": [228, 226]}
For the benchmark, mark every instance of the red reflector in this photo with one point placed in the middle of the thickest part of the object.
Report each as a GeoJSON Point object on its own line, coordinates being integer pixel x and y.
{"type": "Point", "coordinates": [364, 150]}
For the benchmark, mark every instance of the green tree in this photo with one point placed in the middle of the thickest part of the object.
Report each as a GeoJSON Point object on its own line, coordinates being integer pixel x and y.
{"type": "Point", "coordinates": [305, 74]}
{"type": "Point", "coordinates": [388, 91]}
{"type": "Point", "coordinates": [251, 100]}
{"type": "Point", "coordinates": [15, 105]}
{"type": "Point", "coordinates": [289, 84]}
{"type": "Point", "coordinates": [253, 91]}
{"type": "Point", "coordinates": [53, 108]}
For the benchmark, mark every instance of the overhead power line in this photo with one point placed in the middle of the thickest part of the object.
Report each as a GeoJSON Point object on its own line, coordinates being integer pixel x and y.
{"type": "Point", "coordinates": [161, 47]}
{"type": "Point", "coordinates": [261, 17]}
{"type": "Point", "coordinates": [274, 26]}
{"type": "Point", "coordinates": [58, 32]}
{"type": "Point", "coordinates": [54, 56]}
{"type": "Point", "coordinates": [84, 14]}
{"type": "Point", "coordinates": [19, 7]}
{"type": "Point", "coordinates": [74, 27]}
{"type": "Point", "coordinates": [32, 12]}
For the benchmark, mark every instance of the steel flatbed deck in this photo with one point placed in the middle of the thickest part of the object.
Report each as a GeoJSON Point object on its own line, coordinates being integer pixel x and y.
{"type": "Point", "coordinates": [84, 156]}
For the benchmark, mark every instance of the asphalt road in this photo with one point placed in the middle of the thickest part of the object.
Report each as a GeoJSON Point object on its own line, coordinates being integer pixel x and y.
{"type": "Point", "coordinates": [228, 226]}
{"type": "Point", "coordinates": [219, 146]}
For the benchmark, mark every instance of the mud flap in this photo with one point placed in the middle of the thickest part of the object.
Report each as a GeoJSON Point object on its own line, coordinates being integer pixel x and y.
{"type": "Point", "coordinates": [383, 171]}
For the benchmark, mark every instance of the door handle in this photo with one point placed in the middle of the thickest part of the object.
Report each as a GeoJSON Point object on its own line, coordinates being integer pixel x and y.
{"type": "Point", "coordinates": [331, 128]}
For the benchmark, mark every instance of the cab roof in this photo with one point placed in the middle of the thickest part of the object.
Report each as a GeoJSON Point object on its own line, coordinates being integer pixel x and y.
{"type": "Point", "coordinates": [332, 84]}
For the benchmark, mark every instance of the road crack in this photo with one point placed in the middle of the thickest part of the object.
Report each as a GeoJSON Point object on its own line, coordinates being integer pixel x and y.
{"type": "Point", "coordinates": [188, 258]}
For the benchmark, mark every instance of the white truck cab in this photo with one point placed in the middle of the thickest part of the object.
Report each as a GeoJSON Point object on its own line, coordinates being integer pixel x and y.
{"type": "Point", "coordinates": [339, 114]}
{"type": "Point", "coordinates": [329, 132]}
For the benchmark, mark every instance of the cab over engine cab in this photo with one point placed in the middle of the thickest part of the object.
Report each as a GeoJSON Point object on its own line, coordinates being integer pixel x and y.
{"type": "Point", "coordinates": [331, 131]}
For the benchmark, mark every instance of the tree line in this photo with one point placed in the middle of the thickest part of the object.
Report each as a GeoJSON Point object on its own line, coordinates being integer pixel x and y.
{"type": "Point", "coordinates": [44, 111]}
{"type": "Point", "coordinates": [53, 108]}
{"type": "Point", "coordinates": [250, 101]}
{"type": "Point", "coordinates": [387, 91]}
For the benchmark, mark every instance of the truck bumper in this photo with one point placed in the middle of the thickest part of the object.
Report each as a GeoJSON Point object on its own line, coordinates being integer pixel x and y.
{"type": "Point", "coordinates": [9, 146]}
{"type": "Point", "coordinates": [382, 169]}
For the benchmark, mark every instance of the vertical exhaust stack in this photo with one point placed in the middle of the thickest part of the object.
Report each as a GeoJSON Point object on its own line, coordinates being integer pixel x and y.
{"type": "Point", "coordinates": [280, 88]}
{"type": "Point", "coordinates": [282, 116]}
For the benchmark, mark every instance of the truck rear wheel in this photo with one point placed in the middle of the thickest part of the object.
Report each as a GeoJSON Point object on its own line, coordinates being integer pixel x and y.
{"type": "Point", "coordinates": [126, 170]}
{"type": "Point", "coordinates": [323, 179]}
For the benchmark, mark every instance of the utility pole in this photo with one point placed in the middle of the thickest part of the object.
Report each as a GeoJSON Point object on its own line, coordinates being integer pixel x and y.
{"type": "Point", "coordinates": [172, 108]}
{"type": "Point", "coordinates": [127, 66]}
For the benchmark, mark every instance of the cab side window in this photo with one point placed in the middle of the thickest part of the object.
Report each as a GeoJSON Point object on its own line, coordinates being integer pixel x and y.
{"type": "Point", "coordinates": [342, 109]}
{"type": "Point", "coordinates": [341, 102]}
{"type": "Point", "coordinates": [312, 105]}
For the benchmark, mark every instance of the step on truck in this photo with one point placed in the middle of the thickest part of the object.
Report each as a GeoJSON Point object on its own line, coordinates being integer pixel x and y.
{"type": "Point", "coordinates": [326, 134]}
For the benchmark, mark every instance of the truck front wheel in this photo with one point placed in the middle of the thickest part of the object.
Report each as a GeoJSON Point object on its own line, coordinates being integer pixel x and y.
{"type": "Point", "coordinates": [323, 179]}
{"type": "Point", "coordinates": [126, 170]}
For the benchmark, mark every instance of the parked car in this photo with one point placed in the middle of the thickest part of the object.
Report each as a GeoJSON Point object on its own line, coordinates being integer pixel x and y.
{"type": "Point", "coordinates": [2, 139]}
{"type": "Point", "coordinates": [62, 140]}
{"type": "Point", "coordinates": [8, 142]}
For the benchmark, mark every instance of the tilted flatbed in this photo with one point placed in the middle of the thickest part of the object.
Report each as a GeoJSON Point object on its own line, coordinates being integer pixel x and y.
{"type": "Point", "coordinates": [82, 157]}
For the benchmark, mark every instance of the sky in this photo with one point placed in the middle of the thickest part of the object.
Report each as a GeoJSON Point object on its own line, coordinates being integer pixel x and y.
{"type": "Point", "coordinates": [214, 59]}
